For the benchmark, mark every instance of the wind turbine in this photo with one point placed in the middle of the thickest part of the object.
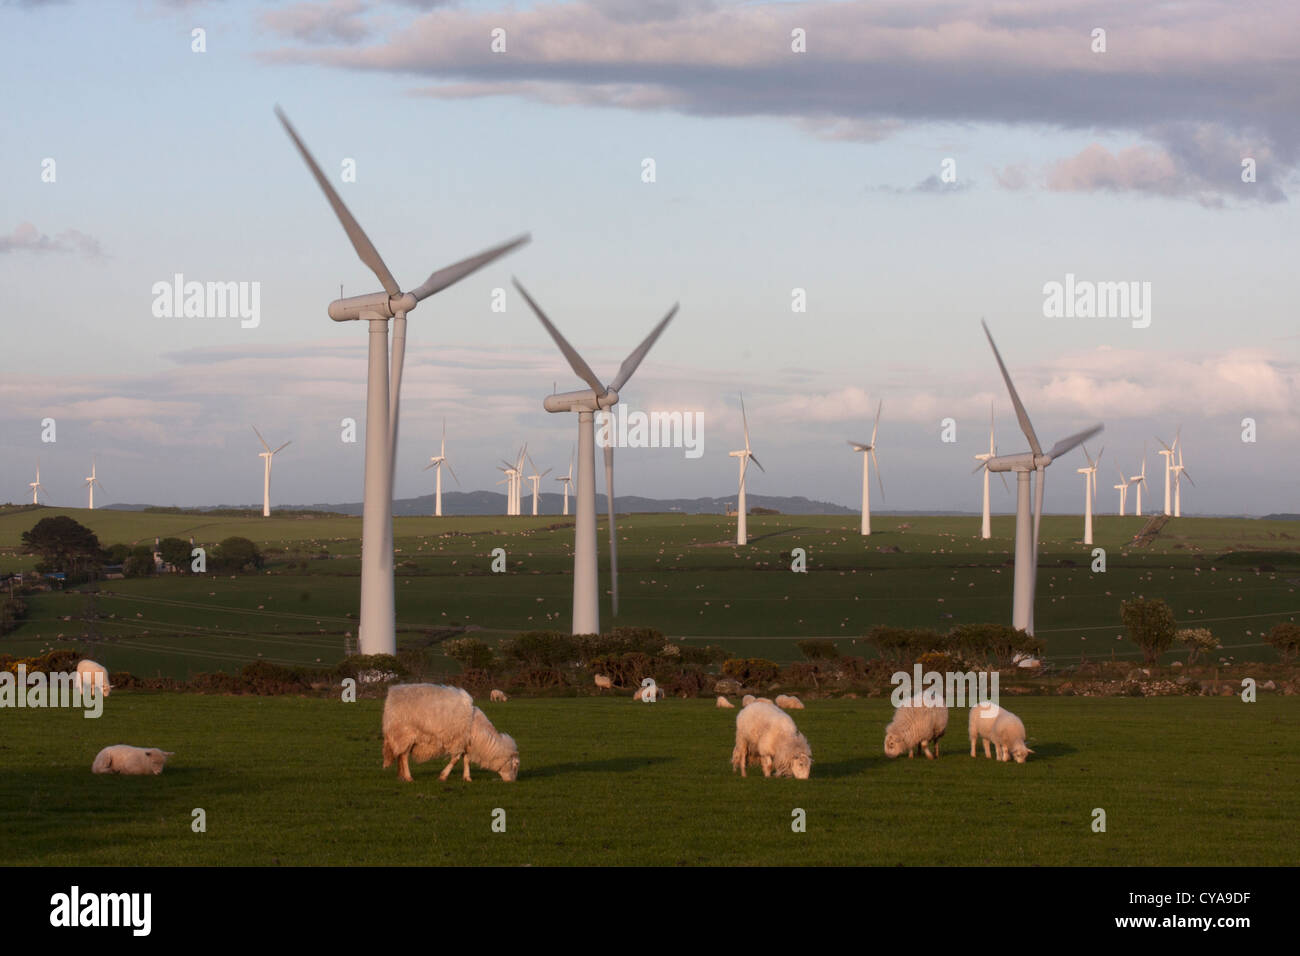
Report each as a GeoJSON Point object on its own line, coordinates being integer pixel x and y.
{"type": "Point", "coordinates": [377, 631]}
{"type": "Point", "coordinates": [586, 402]}
{"type": "Point", "coordinates": [266, 481]}
{"type": "Point", "coordinates": [1168, 452]}
{"type": "Point", "coordinates": [535, 478]}
{"type": "Point", "coordinates": [1179, 472]}
{"type": "Point", "coordinates": [1089, 491]}
{"type": "Point", "coordinates": [437, 462]}
{"type": "Point", "coordinates": [567, 480]}
{"type": "Point", "coordinates": [1035, 460]}
{"type": "Point", "coordinates": [868, 455]}
{"type": "Point", "coordinates": [91, 482]}
{"type": "Point", "coordinates": [1122, 488]}
{"type": "Point", "coordinates": [745, 455]}
{"type": "Point", "coordinates": [986, 528]}
{"type": "Point", "coordinates": [36, 485]}
{"type": "Point", "coordinates": [1140, 480]}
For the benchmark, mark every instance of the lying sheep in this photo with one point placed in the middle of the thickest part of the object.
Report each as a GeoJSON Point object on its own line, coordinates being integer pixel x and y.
{"type": "Point", "coordinates": [136, 761]}
{"type": "Point", "coordinates": [724, 703]}
{"type": "Point", "coordinates": [767, 735]}
{"type": "Point", "coordinates": [916, 723]}
{"type": "Point", "coordinates": [603, 682]}
{"type": "Point", "coordinates": [498, 697]}
{"type": "Point", "coordinates": [639, 694]}
{"type": "Point", "coordinates": [788, 702]}
{"type": "Point", "coordinates": [1003, 728]}
{"type": "Point", "coordinates": [427, 720]}
{"type": "Point", "coordinates": [89, 676]}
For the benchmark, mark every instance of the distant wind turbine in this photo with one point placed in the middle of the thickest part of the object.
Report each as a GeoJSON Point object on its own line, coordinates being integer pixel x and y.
{"type": "Point", "coordinates": [1122, 488]}
{"type": "Point", "coordinates": [36, 485]}
{"type": "Point", "coordinates": [868, 451]}
{"type": "Point", "coordinates": [1168, 452]}
{"type": "Point", "coordinates": [266, 480]}
{"type": "Point", "coordinates": [1140, 481]}
{"type": "Point", "coordinates": [437, 462]}
{"type": "Point", "coordinates": [567, 480]}
{"type": "Point", "coordinates": [535, 478]}
{"type": "Point", "coordinates": [1089, 491]}
{"type": "Point", "coordinates": [1179, 473]}
{"type": "Point", "coordinates": [745, 456]}
{"type": "Point", "coordinates": [986, 526]}
{"type": "Point", "coordinates": [91, 482]}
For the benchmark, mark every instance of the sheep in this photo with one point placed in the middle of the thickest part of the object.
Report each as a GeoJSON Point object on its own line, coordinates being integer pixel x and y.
{"type": "Point", "coordinates": [750, 698]}
{"type": "Point", "coordinates": [767, 734]}
{"type": "Point", "coordinates": [135, 761]}
{"type": "Point", "coordinates": [88, 677]}
{"type": "Point", "coordinates": [788, 702]}
{"type": "Point", "coordinates": [638, 695]}
{"type": "Point", "coordinates": [726, 704]}
{"type": "Point", "coordinates": [1003, 728]}
{"type": "Point", "coordinates": [426, 720]}
{"type": "Point", "coordinates": [498, 697]}
{"type": "Point", "coordinates": [603, 682]}
{"type": "Point", "coordinates": [916, 723]}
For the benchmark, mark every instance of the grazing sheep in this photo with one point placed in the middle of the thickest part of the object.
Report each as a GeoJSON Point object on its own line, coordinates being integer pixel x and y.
{"type": "Point", "coordinates": [916, 723]}
{"type": "Point", "coordinates": [603, 682]}
{"type": "Point", "coordinates": [726, 704]}
{"type": "Point", "coordinates": [85, 680]}
{"type": "Point", "coordinates": [427, 720]}
{"type": "Point", "coordinates": [136, 761]}
{"type": "Point", "coordinates": [767, 735]}
{"type": "Point", "coordinates": [788, 702]}
{"type": "Point", "coordinates": [747, 700]}
{"type": "Point", "coordinates": [1003, 728]}
{"type": "Point", "coordinates": [638, 695]}
{"type": "Point", "coordinates": [498, 697]}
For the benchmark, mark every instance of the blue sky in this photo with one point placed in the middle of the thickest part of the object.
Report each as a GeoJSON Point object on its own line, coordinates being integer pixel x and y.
{"type": "Point", "coordinates": [773, 171]}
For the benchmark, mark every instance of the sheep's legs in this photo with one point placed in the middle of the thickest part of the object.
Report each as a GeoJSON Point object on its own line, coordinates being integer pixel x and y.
{"type": "Point", "coordinates": [972, 746]}
{"type": "Point", "coordinates": [404, 766]}
{"type": "Point", "coordinates": [925, 746]}
{"type": "Point", "coordinates": [766, 761]}
{"type": "Point", "coordinates": [987, 755]}
{"type": "Point", "coordinates": [446, 771]}
{"type": "Point", "coordinates": [466, 766]}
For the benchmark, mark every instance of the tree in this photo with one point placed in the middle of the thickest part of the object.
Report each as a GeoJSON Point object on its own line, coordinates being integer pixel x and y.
{"type": "Point", "coordinates": [1198, 641]}
{"type": "Point", "coordinates": [1151, 626]}
{"type": "Point", "coordinates": [470, 653]}
{"type": "Point", "coordinates": [63, 545]}
{"type": "Point", "coordinates": [175, 552]}
{"type": "Point", "coordinates": [1285, 638]}
{"type": "Point", "coordinates": [139, 564]}
{"type": "Point", "coordinates": [236, 554]}
{"type": "Point", "coordinates": [117, 553]}
{"type": "Point", "coordinates": [818, 649]}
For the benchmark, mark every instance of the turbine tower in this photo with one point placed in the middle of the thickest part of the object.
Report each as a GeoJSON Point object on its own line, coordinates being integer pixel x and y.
{"type": "Point", "coordinates": [535, 478]}
{"type": "Point", "coordinates": [1168, 452]}
{"type": "Point", "coordinates": [91, 482]}
{"type": "Point", "coordinates": [266, 481]}
{"type": "Point", "coordinates": [745, 455]}
{"type": "Point", "coordinates": [986, 527]}
{"type": "Point", "coordinates": [377, 631]}
{"type": "Point", "coordinates": [1035, 460]}
{"type": "Point", "coordinates": [36, 485]}
{"type": "Point", "coordinates": [1140, 481]}
{"type": "Point", "coordinates": [1089, 491]}
{"type": "Point", "coordinates": [586, 402]}
{"type": "Point", "coordinates": [567, 480]}
{"type": "Point", "coordinates": [437, 462]}
{"type": "Point", "coordinates": [1122, 488]}
{"type": "Point", "coordinates": [1179, 473]}
{"type": "Point", "coordinates": [868, 455]}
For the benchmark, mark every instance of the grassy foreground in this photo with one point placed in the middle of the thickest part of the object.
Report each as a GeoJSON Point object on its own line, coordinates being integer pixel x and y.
{"type": "Point", "coordinates": [297, 781]}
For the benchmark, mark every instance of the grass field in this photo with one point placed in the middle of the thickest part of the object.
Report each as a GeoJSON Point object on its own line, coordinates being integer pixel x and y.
{"type": "Point", "coordinates": [1183, 781]}
{"type": "Point", "coordinates": [681, 574]}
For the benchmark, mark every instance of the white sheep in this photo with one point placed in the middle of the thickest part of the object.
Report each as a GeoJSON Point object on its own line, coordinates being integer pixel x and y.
{"type": "Point", "coordinates": [1003, 728]}
{"type": "Point", "coordinates": [788, 702]}
{"type": "Point", "coordinates": [767, 735]}
{"type": "Point", "coordinates": [427, 720]}
{"type": "Point", "coordinates": [88, 675]}
{"type": "Point", "coordinates": [638, 695]}
{"type": "Point", "coordinates": [603, 682]}
{"type": "Point", "coordinates": [916, 723]}
{"type": "Point", "coordinates": [750, 698]}
{"type": "Point", "coordinates": [136, 761]}
{"type": "Point", "coordinates": [726, 704]}
{"type": "Point", "coordinates": [498, 697]}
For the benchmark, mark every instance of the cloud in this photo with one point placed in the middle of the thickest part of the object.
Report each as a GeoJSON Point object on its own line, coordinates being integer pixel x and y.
{"type": "Point", "coordinates": [27, 238]}
{"type": "Point", "coordinates": [335, 21]}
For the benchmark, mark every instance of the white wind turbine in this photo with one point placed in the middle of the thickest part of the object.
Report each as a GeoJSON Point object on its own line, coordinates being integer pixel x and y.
{"type": "Point", "coordinates": [535, 478]}
{"type": "Point", "coordinates": [437, 461]}
{"type": "Point", "coordinates": [514, 475]}
{"type": "Point", "coordinates": [91, 482]}
{"type": "Point", "coordinates": [377, 631]}
{"type": "Point", "coordinates": [36, 485]}
{"type": "Point", "coordinates": [986, 526]}
{"type": "Point", "coordinates": [1089, 491]}
{"type": "Point", "coordinates": [1035, 460]}
{"type": "Point", "coordinates": [586, 402]}
{"type": "Point", "coordinates": [1179, 473]}
{"type": "Point", "coordinates": [1122, 488]}
{"type": "Point", "coordinates": [266, 480]}
{"type": "Point", "coordinates": [1140, 481]}
{"type": "Point", "coordinates": [868, 451]}
{"type": "Point", "coordinates": [1168, 452]}
{"type": "Point", "coordinates": [745, 456]}
{"type": "Point", "coordinates": [567, 480]}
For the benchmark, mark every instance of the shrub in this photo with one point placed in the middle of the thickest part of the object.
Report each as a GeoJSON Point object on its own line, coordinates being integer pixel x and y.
{"type": "Point", "coordinates": [236, 554]}
{"type": "Point", "coordinates": [1285, 638]}
{"type": "Point", "coordinates": [754, 671]}
{"type": "Point", "coordinates": [900, 645]}
{"type": "Point", "coordinates": [995, 643]}
{"type": "Point", "coordinates": [540, 649]}
{"type": "Point", "coordinates": [360, 663]}
{"type": "Point", "coordinates": [625, 670]}
{"type": "Point", "coordinates": [1198, 641]}
{"type": "Point", "coordinates": [263, 677]}
{"type": "Point", "coordinates": [818, 649]}
{"type": "Point", "coordinates": [1150, 625]}
{"type": "Point", "coordinates": [470, 653]}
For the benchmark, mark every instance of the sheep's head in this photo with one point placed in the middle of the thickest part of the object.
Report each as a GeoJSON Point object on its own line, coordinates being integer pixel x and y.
{"type": "Point", "coordinates": [1019, 752]}
{"type": "Point", "coordinates": [510, 770]}
{"type": "Point", "coordinates": [157, 758]}
{"type": "Point", "coordinates": [801, 766]}
{"type": "Point", "coordinates": [894, 746]}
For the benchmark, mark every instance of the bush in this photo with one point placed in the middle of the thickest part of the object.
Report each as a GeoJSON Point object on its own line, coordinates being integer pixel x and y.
{"type": "Point", "coordinates": [263, 677]}
{"type": "Point", "coordinates": [540, 649]}
{"type": "Point", "coordinates": [1151, 626]}
{"type": "Point", "coordinates": [818, 649]}
{"type": "Point", "coordinates": [237, 554]}
{"type": "Point", "coordinates": [753, 671]}
{"type": "Point", "coordinates": [1285, 638]}
{"type": "Point", "coordinates": [1198, 641]}
{"type": "Point", "coordinates": [625, 670]}
{"type": "Point", "coordinates": [899, 645]}
{"type": "Point", "coordinates": [359, 664]}
{"type": "Point", "coordinates": [993, 643]}
{"type": "Point", "coordinates": [470, 653]}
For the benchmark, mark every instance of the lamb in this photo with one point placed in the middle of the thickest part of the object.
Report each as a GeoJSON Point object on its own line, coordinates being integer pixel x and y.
{"type": "Point", "coordinates": [603, 682]}
{"type": "Point", "coordinates": [767, 734]}
{"type": "Point", "coordinates": [916, 723]}
{"type": "Point", "coordinates": [1003, 728]}
{"type": "Point", "coordinates": [88, 675]}
{"type": "Point", "coordinates": [726, 704]}
{"type": "Point", "coordinates": [134, 761]}
{"type": "Point", "coordinates": [788, 702]}
{"type": "Point", "coordinates": [426, 720]}
{"type": "Point", "coordinates": [498, 697]}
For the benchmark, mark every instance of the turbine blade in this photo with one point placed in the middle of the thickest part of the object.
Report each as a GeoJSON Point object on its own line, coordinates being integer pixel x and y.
{"type": "Point", "coordinates": [360, 241]}
{"type": "Point", "coordinates": [453, 474]}
{"type": "Point", "coordinates": [1005, 487]}
{"type": "Point", "coordinates": [879, 480]}
{"type": "Point", "coordinates": [632, 361]}
{"type": "Point", "coordinates": [259, 438]}
{"type": "Point", "coordinates": [858, 445]}
{"type": "Point", "coordinates": [756, 461]}
{"type": "Point", "coordinates": [454, 273]}
{"type": "Point", "coordinates": [1186, 475]}
{"type": "Point", "coordinates": [575, 360]}
{"type": "Point", "coordinates": [1021, 414]}
{"type": "Point", "coordinates": [613, 530]}
{"type": "Point", "coordinates": [427, 467]}
{"type": "Point", "coordinates": [1065, 444]}
{"type": "Point", "coordinates": [877, 424]}
{"type": "Point", "coordinates": [1038, 516]}
{"type": "Point", "coordinates": [744, 420]}
{"type": "Point", "coordinates": [285, 445]}
{"type": "Point", "coordinates": [546, 472]}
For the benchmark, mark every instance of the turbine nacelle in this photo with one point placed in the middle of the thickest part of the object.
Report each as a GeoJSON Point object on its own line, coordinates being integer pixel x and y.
{"type": "Point", "coordinates": [377, 303]}
{"type": "Point", "coordinates": [583, 400]}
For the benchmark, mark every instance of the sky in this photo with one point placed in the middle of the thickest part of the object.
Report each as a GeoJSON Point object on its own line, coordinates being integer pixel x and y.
{"type": "Point", "coordinates": [917, 167]}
